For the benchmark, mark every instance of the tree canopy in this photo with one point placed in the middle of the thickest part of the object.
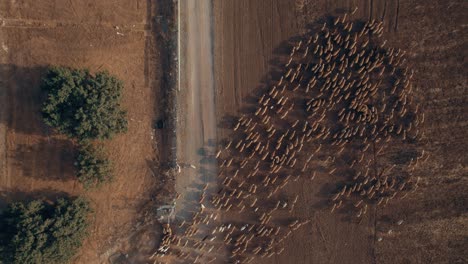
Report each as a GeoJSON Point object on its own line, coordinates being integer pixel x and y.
{"type": "Point", "coordinates": [41, 232]}
{"type": "Point", "coordinates": [94, 168]}
{"type": "Point", "coordinates": [81, 105]}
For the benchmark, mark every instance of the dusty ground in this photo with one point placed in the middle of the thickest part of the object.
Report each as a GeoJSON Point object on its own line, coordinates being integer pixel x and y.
{"type": "Point", "coordinates": [103, 35]}
{"type": "Point", "coordinates": [248, 36]}
{"type": "Point", "coordinates": [196, 125]}
{"type": "Point", "coordinates": [197, 122]}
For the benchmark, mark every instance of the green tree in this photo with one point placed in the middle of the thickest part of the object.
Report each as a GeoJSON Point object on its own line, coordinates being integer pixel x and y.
{"type": "Point", "coordinates": [81, 105]}
{"type": "Point", "coordinates": [93, 166]}
{"type": "Point", "coordinates": [39, 232]}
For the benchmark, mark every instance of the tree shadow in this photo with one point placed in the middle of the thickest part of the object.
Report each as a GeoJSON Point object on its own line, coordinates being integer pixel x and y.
{"type": "Point", "coordinates": [163, 182]}
{"type": "Point", "coordinates": [21, 99]}
{"type": "Point", "coordinates": [20, 112]}
{"type": "Point", "coordinates": [160, 54]}
{"type": "Point", "coordinates": [16, 195]}
{"type": "Point", "coordinates": [50, 159]}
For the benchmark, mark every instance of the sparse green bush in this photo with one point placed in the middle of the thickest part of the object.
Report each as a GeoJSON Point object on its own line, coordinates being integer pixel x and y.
{"type": "Point", "coordinates": [93, 166]}
{"type": "Point", "coordinates": [81, 105]}
{"type": "Point", "coordinates": [39, 232]}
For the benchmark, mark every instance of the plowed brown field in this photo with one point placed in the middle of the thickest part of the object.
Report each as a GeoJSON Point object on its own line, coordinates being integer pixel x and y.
{"type": "Point", "coordinates": [249, 35]}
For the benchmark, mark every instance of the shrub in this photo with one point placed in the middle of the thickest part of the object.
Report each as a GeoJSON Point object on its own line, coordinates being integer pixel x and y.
{"type": "Point", "coordinates": [81, 105]}
{"type": "Point", "coordinates": [93, 166]}
{"type": "Point", "coordinates": [41, 232]}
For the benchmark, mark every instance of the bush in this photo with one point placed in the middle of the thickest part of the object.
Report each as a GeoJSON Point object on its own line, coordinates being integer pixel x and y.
{"type": "Point", "coordinates": [40, 232]}
{"type": "Point", "coordinates": [81, 105]}
{"type": "Point", "coordinates": [93, 167]}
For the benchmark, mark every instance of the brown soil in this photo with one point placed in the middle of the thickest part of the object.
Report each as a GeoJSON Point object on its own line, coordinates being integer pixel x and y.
{"type": "Point", "coordinates": [119, 37]}
{"type": "Point", "coordinates": [249, 35]}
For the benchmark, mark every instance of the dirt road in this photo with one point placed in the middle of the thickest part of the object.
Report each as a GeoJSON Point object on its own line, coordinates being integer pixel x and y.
{"type": "Point", "coordinates": [197, 125]}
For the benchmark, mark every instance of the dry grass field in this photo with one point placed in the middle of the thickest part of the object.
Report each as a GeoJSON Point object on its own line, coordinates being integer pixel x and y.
{"type": "Point", "coordinates": [118, 37]}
